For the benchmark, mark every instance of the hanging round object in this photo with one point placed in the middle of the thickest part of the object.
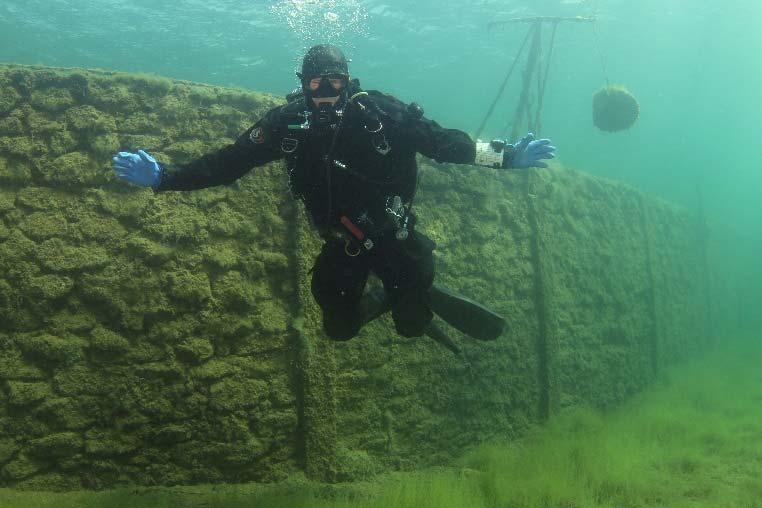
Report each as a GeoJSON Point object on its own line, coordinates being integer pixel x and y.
{"type": "Point", "coordinates": [614, 108]}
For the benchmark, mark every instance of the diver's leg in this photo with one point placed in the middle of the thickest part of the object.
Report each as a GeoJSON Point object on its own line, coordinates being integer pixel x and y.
{"type": "Point", "coordinates": [407, 271]}
{"type": "Point", "coordinates": [338, 281]}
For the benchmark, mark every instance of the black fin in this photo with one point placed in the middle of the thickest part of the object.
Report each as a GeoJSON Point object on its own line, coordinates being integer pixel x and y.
{"type": "Point", "coordinates": [468, 316]}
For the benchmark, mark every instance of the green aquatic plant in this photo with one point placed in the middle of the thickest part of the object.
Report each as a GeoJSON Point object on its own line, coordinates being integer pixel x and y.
{"type": "Point", "coordinates": [661, 449]}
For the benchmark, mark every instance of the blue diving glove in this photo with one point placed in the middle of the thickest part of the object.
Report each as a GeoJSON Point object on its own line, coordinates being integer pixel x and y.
{"type": "Point", "coordinates": [138, 168]}
{"type": "Point", "coordinates": [528, 152]}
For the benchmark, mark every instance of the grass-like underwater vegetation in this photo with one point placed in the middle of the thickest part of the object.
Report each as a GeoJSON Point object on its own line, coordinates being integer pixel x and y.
{"type": "Point", "coordinates": [692, 440]}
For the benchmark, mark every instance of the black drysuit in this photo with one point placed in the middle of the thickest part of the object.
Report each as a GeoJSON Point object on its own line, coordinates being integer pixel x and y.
{"type": "Point", "coordinates": [347, 177]}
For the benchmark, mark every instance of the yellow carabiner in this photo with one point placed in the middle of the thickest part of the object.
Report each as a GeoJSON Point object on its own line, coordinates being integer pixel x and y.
{"type": "Point", "coordinates": [346, 250]}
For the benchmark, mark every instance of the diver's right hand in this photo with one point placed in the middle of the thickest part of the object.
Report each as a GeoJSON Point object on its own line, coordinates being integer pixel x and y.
{"type": "Point", "coordinates": [138, 168]}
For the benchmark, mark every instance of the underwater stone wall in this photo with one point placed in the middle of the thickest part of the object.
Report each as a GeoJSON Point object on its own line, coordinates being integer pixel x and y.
{"type": "Point", "coordinates": [143, 338]}
{"type": "Point", "coordinates": [172, 338]}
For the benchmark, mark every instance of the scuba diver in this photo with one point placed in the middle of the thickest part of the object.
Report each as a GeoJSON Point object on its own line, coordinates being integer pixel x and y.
{"type": "Point", "coordinates": [351, 158]}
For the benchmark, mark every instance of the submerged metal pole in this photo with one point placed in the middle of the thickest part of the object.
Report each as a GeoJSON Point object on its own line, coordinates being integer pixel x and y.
{"type": "Point", "coordinates": [543, 19]}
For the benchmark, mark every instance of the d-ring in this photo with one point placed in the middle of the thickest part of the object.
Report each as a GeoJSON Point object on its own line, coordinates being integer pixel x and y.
{"type": "Point", "coordinates": [346, 250]}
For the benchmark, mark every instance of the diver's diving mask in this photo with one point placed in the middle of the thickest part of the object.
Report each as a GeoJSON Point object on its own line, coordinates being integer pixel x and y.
{"type": "Point", "coordinates": [329, 85]}
{"type": "Point", "coordinates": [326, 95]}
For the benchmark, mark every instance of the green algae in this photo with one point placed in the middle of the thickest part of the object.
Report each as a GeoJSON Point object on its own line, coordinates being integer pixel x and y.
{"type": "Point", "coordinates": [73, 169]}
{"type": "Point", "coordinates": [25, 393]}
{"type": "Point", "coordinates": [177, 335]}
{"type": "Point", "coordinates": [50, 348]}
{"type": "Point", "coordinates": [9, 97]}
{"type": "Point", "coordinates": [195, 350]}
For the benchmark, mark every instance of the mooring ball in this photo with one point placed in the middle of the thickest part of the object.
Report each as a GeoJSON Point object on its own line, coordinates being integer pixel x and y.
{"type": "Point", "coordinates": [614, 108]}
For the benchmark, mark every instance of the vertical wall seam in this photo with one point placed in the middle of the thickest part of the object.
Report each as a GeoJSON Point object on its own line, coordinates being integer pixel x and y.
{"type": "Point", "coordinates": [540, 295]}
{"type": "Point", "coordinates": [296, 349]}
{"type": "Point", "coordinates": [701, 233]}
{"type": "Point", "coordinates": [655, 329]}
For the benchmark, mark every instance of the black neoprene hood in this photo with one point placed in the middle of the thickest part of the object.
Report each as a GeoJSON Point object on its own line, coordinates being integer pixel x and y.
{"type": "Point", "coordinates": [324, 59]}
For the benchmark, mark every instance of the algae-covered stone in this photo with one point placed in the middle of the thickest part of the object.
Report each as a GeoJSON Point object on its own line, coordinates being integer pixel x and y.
{"type": "Point", "coordinates": [159, 370]}
{"type": "Point", "coordinates": [113, 96]}
{"type": "Point", "coordinates": [109, 442]}
{"type": "Point", "coordinates": [355, 465]}
{"type": "Point", "coordinates": [8, 99]}
{"type": "Point", "coordinates": [142, 125]}
{"type": "Point", "coordinates": [273, 317]}
{"type": "Point", "coordinates": [173, 331]}
{"type": "Point", "coordinates": [176, 222]}
{"type": "Point", "coordinates": [221, 255]}
{"type": "Point", "coordinates": [195, 350]}
{"type": "Point", "coordinates": [65, 412]}
{"type": "Point", "coordinates": [9, 300]}
{"type": "Point", "coordinates": [172, 108]}
{"type": "Point", "coordinates": [57, 256]}
{"type": "Point", "coordinates": [23, 393]}
{"type": "Point", "coordinates": [104, 145]}
{"type": "Point", "coordinates": [106, 231]}
{"type": "Point", "coordinates": [14, 367]}
{"type": "Point", "coordinates": [73, 169]}
{"type": "Point", "coordinates": [42, 126]}
{"type": "Point", "coordinates": [226, 455]}
{"type": "Point", "coordinates": [172, 433]}
{"type": "Point", "coordinates": [22, 467]}
{"type": "Point", "coordinates": [50, 286]}
{"type": "Point", "coordinates": [50, 482]}
{"type": "Point", "coordinates": [67, 321]}
{"type": "Point", "coordinates": [225, 221]}
{"type": "Point", "coordinates": [11, 126]}
{"type": "Point", "coordinates": [15, 172]}
{"type": "Point", "coordinates": [62, 142]}
{"type": "Point", "coordinates": [50, 347]}
{"type": "Point", "coordinates": [237, 292]}
{"type": "Point", "coordinates": [23, 146]}
{"type": "Point", "coordinates": [234, 394]}
{"type": "Point", "coordinates": [152, 253]}
{"type": "Point", "coordinates": [186, 150]}
{"type": "Point", "coordinates": [87, 118]}
{"type": "Point", "coordinates": [8, 448]}
{"type": "Point", "coordinates": [215, 369]}
{"type": "Point", "coordinates": [81, 380]}
{"type": "Point", "coordinates": [43, 225]}
{"type": "Point", "coordinates": [188, 287]}
{"type": "Point", "coordinates": [135, 142]}
{"type": "Point", "coordinates": [43, 199]}
{"type": "Point", "coordinates": [281, 394]}
{"type": "Point", "coordinates": [7, 197]}
{"type": "Point", "coordinates": [107, 340]}
{"type": "Point", "coordinates": [56, 445]}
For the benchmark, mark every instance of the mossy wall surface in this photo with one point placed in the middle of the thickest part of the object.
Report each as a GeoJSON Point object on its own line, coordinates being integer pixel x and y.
{"type": "Point", "coordinates": [143, 338]}
{"type": "Point", "coordinates": [172, 338]}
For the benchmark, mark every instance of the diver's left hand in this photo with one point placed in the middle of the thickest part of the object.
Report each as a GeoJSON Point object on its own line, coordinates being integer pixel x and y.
{"type": "Point", "coordinates": [529, 152]}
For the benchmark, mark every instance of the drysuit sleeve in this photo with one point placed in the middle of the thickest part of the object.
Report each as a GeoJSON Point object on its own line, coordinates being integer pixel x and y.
{"type": "Point", "coordinates": [255, 147]}
{"type": "Point", "coordinates": [442, 145]}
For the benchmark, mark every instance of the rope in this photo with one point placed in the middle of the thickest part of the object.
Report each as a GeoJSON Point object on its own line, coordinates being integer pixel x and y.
{"type": "Point", "coordinates": [502, 87]}
{"type": "Point", "coordinates": [524, 106]}
{"type": "Point", "coordinates": [544, 78]}
{"type": "Point", "coordinates": [600, 53]}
